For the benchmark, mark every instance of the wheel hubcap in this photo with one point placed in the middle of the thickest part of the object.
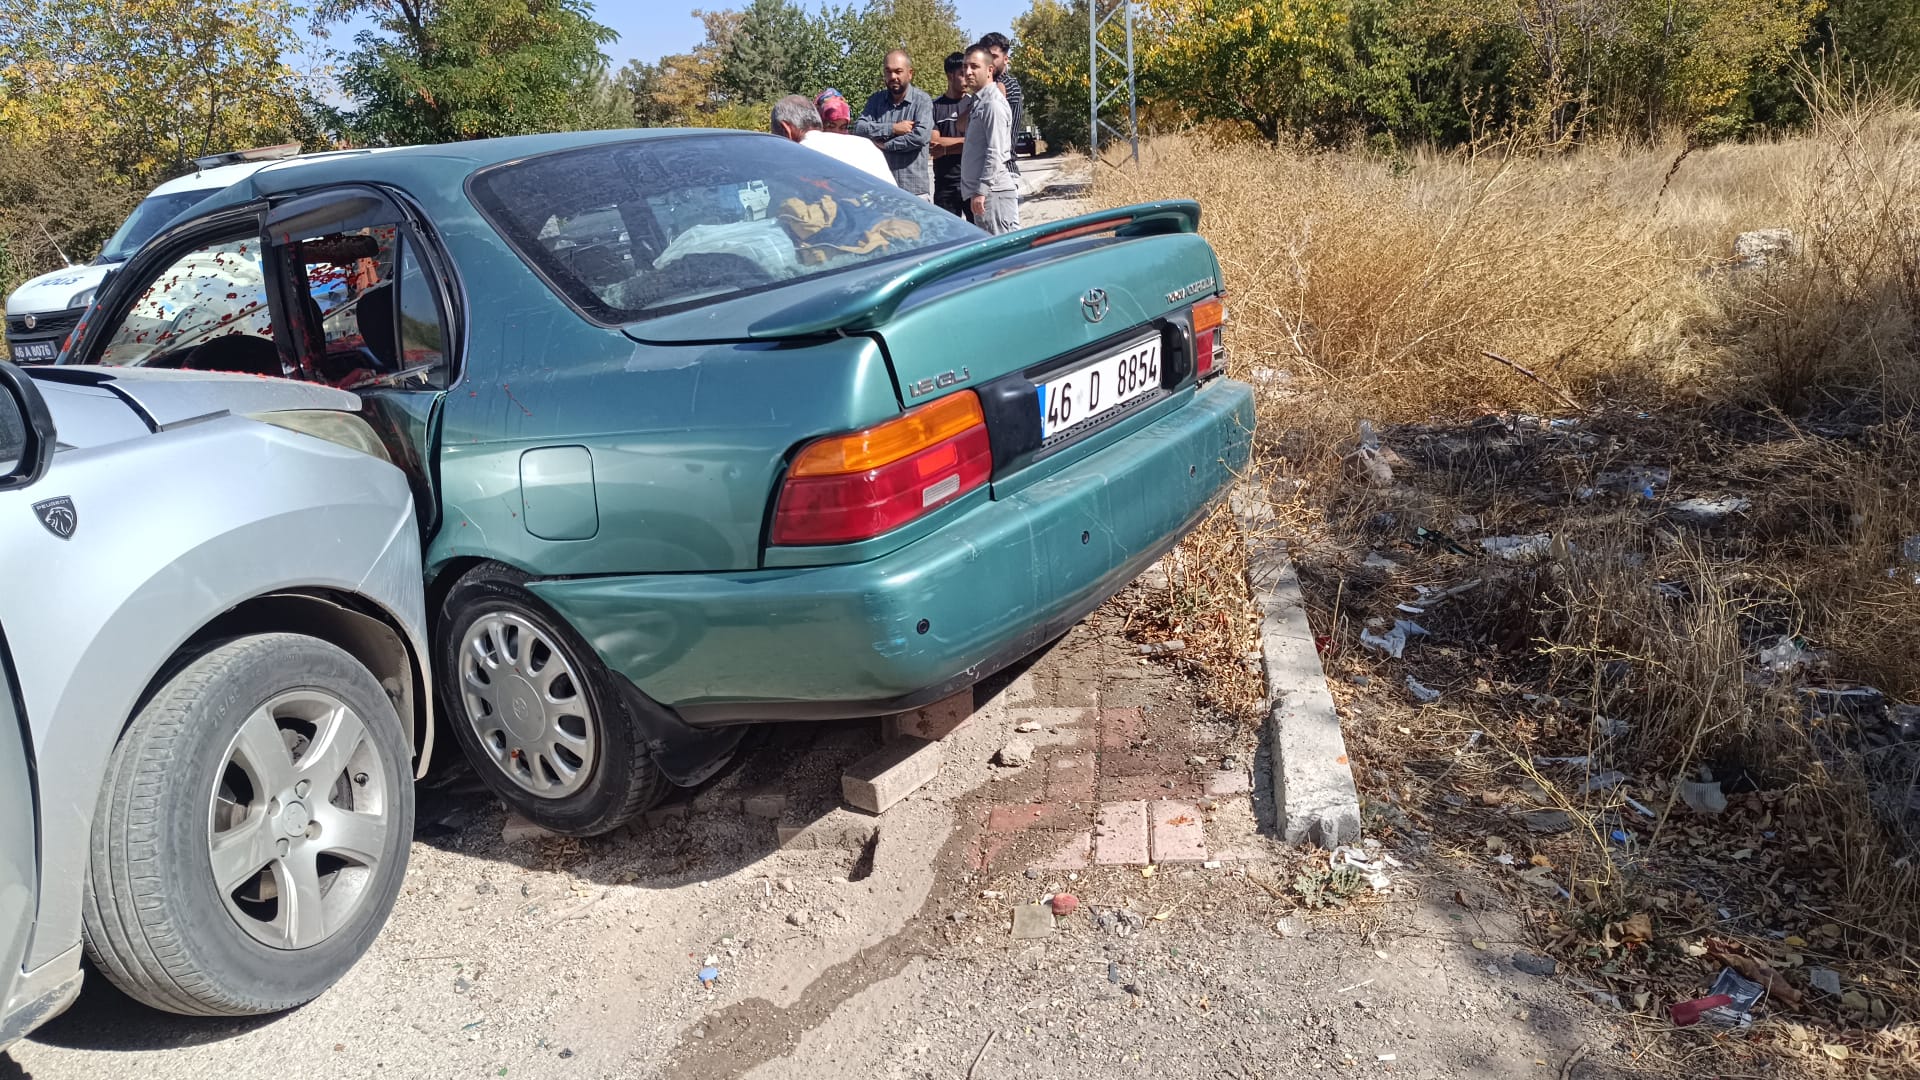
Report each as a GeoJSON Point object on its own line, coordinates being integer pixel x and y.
{"type": "Point", "coordinates": [297, 827]}
{"type": "Point", "coordinates": [523, 698]}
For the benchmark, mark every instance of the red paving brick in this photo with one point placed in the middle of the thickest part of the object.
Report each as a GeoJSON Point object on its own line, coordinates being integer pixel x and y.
{"type": "Point", "coordinates": [1120, 834]}
{"type": "Point", "coordinates": [1177, 833]}
{"type": "Point", "coordinates": [1121, 728]}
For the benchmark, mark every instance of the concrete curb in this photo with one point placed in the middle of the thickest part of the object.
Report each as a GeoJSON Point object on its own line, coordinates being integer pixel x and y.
{"type": "Point", "coordinates": [1314, 796]}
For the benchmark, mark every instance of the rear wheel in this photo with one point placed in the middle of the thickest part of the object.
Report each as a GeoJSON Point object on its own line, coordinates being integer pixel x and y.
{"type": "Point", "coordinates": [252, 832]}
{"type": "Point", "coordinates": [535, 711]}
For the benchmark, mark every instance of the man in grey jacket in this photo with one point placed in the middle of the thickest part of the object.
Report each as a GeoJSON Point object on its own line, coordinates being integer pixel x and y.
{"type": "Point", "coordinates": [991, 192]}
{"type": "Point", "coordinates": [899, 120]}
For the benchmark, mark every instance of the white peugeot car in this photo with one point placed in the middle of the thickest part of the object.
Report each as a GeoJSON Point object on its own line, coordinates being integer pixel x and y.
{"type": "Point", "coordinates": [213, 688]}
{"type": "Point", "coordinates": [42, 312]}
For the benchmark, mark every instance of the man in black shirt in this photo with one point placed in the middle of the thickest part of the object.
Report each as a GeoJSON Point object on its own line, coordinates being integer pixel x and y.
{"type": "Point", "coordinates": [947, 140]}
{"type": "Point", "coordinates": [1001, 50]}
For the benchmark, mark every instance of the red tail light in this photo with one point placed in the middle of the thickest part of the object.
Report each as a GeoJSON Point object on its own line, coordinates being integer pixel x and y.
{"type": "Point", "coordinates": [1208, 314]}
{"type": "Point", "coordinates": [856, 486]}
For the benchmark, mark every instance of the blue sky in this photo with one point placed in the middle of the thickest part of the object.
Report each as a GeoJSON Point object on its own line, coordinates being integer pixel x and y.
{"type": "Point", "coordinates": [649, 29]}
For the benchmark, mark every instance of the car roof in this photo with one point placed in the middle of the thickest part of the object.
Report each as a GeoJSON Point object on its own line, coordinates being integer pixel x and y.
{"type": "Point", "coordinates": [421, 168]}
{"type": "Point", "coordinates": [224, 175]}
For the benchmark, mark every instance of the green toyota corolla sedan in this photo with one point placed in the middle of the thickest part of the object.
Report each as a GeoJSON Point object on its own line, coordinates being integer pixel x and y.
{"type": "Point", "coordinates": [708, 429]}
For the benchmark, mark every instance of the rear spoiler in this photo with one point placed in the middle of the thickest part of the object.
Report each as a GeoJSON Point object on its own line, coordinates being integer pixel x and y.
{"type": "Point", "coordinates": [869, 307]}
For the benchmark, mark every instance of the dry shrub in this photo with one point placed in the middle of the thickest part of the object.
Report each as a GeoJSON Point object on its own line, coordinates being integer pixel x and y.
{"type": "Point", "coordinates": [1363, 288]}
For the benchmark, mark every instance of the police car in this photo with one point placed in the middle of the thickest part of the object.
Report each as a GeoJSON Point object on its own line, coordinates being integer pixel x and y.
{"type": "Point", "coordinates": [42, 312]}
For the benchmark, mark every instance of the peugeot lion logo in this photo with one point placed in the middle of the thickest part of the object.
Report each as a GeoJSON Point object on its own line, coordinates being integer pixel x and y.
{"type": "Point", "coordinates": [59, 516]}
{"type": "Point", "coordinates": [1094, 305]}
{"type": "Point", "coordinates": [32, 322]}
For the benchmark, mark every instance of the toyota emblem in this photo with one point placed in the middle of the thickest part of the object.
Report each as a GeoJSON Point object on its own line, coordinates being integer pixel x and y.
{"type": "Point", "coordinates": [32, 322]}
{"type": "Point", "coordinates": [1094, 305]}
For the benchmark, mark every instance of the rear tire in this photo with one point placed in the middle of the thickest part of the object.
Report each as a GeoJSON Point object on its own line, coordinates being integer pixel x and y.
{"type": "Point", "coordinates": [538, 715]}
{"type": "Point", "coordinates": [252, 830]}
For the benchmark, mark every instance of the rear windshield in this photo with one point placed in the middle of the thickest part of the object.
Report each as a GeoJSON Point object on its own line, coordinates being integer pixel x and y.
{"type": "Point", "coordinates": [628, 231]}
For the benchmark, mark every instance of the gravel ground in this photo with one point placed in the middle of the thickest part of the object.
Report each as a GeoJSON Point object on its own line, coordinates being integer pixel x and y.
{"type": "Point", "coordinates": [572, 959]}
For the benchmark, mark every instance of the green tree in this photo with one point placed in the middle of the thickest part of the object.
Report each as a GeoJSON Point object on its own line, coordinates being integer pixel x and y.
{"type": "Point", "coordinates": [138, 88]}
{"type": "Point", "coordinates": [927, 29]}
{"type": "Point", "coordinates": [778, 48]}
{"type": "Point", "coordinates": [1276, 65]}
{"type": "Point", "coordinates": [441, 70]}
{"type": "Point", "coordinates": [1050, 57]}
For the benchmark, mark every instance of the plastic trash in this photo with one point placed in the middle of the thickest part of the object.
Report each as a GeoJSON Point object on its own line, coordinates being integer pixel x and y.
{"type": "Point", "coordinates": [1785, 655]}
{"type": "Point", "coordinates": [708, 976]}
{"type": "Point", "coordinates": [1421, 691]}
{"type": "Point", "coordinates": [1704, 798]}
{"type": "Point", "coordinates": [1394, 641]}
{"type": "Point", "coordinates": [1729, 1002]}
{"type": "Point", "coordinates": [1518, 548]}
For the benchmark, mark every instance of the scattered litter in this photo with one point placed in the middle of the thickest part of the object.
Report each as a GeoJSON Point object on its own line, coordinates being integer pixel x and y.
{"type": "Point", "coordinates": [1032, 921]}
{"type": "Point", "coordinates": [1210, 864]}
{"type": "Point", "coordinates": [1638, 808]}
{"type": "Point", "coordinates": [1708, 512]}
{"type": "Point", "coordinates": [1026, 727]}
{"type": "Point", "coordinates": [1016, 753]}
{"type": "Point", "coordinates": [1605, 780]}
{"type": "Point", "coordinates": [1394, 641]}
{"type": "Point", "coordinates": [1386, 1057]}
{"type": "Point", "coordinates": [1356, 986]}
{"type": "Point", "coordinates": [991, 894]}
{"type": "Point", "coordinates": [1063, 904]}
{"type": "Point", "coordinates": [1410, 609]}
{"type": "Point", "coordinates": [1577, 762]}
{"type": "Point", "coordinates": [1429, 598]}
{"type": "Point", "coordinates": [1547, 821]}
{"type": "Point", "coordinates": [1641, 481]}
{"type": "Point", "coordinates": [1535, 964]}
{"type": "Point", "coordinates": [1704, 798]}
{"type": "Point", "coordinates": [1377, 561]}
{"type": "Point", "coordinates": [709, 975]}
{"type": "Point", "coordinates": [1421, 691]}
{"type": "Point", "coordinates": [1825, 980]}
{"type": "Point", "coordinates": [1621, 836]}
{"type": "Point", "coordinates": [1730, 1001]}
{"type": "Point", "coordinates": [1785, 655]}
{"type": "Point", "coordinates": [1442, 540]}
{"type": "Point", "coordinates": [1368, 463]}
{"type": "Point", "coordinates": [1518, 548]}
{"type": "Point", "coordinates": [1347, 856]}
{"type": "Point", "coordinates": [1162, 648]}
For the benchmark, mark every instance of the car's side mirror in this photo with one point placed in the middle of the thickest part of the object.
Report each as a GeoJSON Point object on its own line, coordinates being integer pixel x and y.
{"type": "Point", "coordinates": [26, 430]}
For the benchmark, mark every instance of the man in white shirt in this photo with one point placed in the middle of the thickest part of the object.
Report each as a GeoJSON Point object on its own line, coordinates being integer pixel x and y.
{"type": "Point", "coordinates": [795, 118]}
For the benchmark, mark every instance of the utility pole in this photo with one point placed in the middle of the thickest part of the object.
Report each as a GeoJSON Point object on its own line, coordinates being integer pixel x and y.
{"type": "Point", "coordinates": [1109, 100]}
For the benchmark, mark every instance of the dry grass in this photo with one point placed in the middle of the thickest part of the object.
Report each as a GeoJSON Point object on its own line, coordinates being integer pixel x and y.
{"type": "Point", "coordinates": [1361, 289]}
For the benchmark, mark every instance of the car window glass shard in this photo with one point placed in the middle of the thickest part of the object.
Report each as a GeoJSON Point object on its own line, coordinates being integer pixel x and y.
{"type": "Point", "coordinates": [628, 231]}
{"type": "Point", "coordinates": [206, 311]}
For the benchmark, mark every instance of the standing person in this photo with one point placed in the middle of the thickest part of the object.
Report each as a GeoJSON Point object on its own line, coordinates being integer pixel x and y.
{"type": "Point", "coordinates": [947, 140]}
{"type": "Point", "coordinates": [984, 179]}
{"type": "Point", "coordinates": [834, 111]}
{"type": "Point", "coordinates": [899, 120]}
{"type": "Point", "coordinates": [1002, 52]}
{"type": "Point", "coordinates": [795, 118]}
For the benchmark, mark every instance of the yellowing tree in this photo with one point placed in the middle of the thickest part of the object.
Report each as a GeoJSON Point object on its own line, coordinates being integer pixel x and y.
{"type": "Point", "coordinates": [137, 88]}
{"type": "Point", "coordinates": [1274, 64]}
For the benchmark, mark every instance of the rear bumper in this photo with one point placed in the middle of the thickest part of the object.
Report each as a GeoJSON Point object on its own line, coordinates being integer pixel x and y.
{"type": "Point", "coordinates": [931, 618]}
